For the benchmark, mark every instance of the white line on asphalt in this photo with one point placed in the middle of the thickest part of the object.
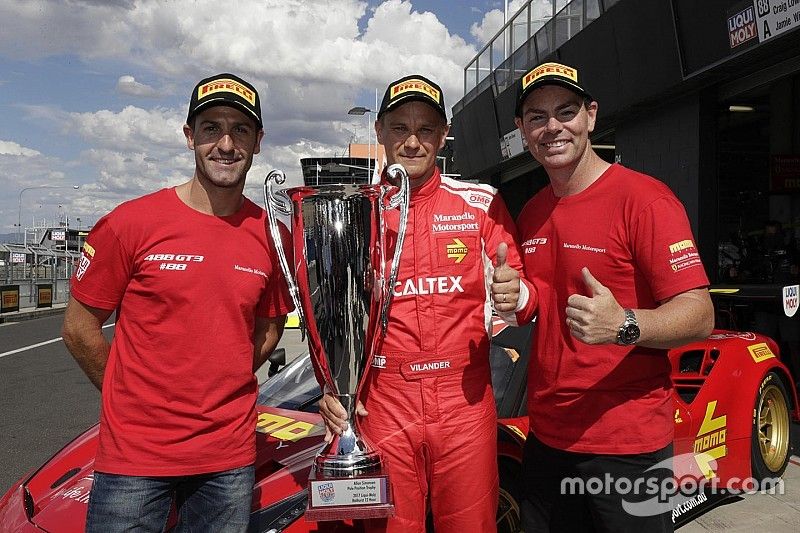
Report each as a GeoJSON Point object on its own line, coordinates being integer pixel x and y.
{"type": "Point", "coordinates": [32, 346]}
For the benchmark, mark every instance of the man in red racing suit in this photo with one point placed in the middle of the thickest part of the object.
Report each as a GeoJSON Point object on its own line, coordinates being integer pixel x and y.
{"type": "Point", "coordinates": [428, 395]}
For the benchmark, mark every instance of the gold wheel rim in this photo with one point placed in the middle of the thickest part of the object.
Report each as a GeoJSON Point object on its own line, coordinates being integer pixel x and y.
{"type": "Point", "coordinates": [507, 512]}
{"type": "Point", "coordinates": [773, 427]}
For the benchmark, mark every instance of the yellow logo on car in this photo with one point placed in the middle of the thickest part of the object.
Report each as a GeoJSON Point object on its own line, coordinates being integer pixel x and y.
{"type": "Point", "coordinates": [760, 352]}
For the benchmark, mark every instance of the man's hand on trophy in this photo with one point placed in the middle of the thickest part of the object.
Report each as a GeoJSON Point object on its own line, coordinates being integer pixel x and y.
{"type": "Point", "coordinates": [505, 283]}
{"type": "Point", "coordinates": [335, 416]}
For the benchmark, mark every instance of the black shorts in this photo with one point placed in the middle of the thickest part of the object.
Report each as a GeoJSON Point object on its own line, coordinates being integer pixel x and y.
{"type": "Point", "coordinates": [573, 492]}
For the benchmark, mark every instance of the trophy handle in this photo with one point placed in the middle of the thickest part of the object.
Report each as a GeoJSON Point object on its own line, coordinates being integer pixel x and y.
{"type": "Point", "coordinates": [400, 199]}
{"type": "Point", "coordinates": [276, 202]}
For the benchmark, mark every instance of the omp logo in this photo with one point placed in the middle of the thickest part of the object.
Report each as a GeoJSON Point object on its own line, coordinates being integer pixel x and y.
{"type": "Point", "coordinates": [417, 86]}
{"type": "Point", "coordinates": [682, 245]}
{"type": "Point", "coordinates": [88, 249]}
{"type": "Point", "coordinates": [457, 250]}
{"type": "Point", "coordinates": [421, 286]}
{"type": "Point", "coordinates": [549, 68]}
{"type": "Point", "coordinates": [228, 86]}
{"type": "Point", "coordinates": [379, 361]}
{"type": "Point", "coordinates": [760, 352]}
{"type": "Point", "coordinates": [478, 198]}
{"type": "Point", "coordinates": [710, 442]}
{"type": "Point", "coordinates": [282, 427]}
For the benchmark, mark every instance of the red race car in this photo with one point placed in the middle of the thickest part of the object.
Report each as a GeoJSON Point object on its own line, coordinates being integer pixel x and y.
{"type": "Point", "coordinates": [734, 401]}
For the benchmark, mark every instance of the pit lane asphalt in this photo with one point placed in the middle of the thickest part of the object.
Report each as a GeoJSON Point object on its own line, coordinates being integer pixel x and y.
{"type": "Point", "coordinates": [46, 401]}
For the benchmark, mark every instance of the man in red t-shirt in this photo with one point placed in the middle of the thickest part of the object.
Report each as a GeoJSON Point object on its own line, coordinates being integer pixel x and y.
{"type": "Point", "coordinates": [200, 305]}
{"type": "Point", "coordinates": [620, 281]}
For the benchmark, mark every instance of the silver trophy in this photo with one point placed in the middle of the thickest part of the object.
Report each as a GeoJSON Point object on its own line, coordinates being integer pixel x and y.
{"type": "Point", "coordinates": [340, 287]}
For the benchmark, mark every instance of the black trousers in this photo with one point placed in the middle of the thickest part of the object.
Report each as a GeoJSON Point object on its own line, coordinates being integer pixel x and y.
{"type": "Point", "coordinates": [574, 492]}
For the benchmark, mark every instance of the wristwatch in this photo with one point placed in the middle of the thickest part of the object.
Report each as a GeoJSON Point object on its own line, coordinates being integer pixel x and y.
{"type": "Point", "coordinates": [629, 330]}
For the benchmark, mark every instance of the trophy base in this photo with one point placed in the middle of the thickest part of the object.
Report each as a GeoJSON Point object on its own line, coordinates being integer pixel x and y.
{"type": "Point", "coordinates": [359, 497]}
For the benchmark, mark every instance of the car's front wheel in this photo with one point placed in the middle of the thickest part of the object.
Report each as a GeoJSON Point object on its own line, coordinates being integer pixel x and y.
{"type": "Point", "coordinates": [770, 439]}
{"type": "Point", "coordinates": [508, 514]}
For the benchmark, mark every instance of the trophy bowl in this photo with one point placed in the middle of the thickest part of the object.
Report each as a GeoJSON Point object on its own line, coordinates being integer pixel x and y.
{"type": "Point", "coordinates": [339, 283]}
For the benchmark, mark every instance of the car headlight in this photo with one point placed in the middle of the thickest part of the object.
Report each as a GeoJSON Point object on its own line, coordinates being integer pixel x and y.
{"type": "Point", "coordinates": [277, 517]}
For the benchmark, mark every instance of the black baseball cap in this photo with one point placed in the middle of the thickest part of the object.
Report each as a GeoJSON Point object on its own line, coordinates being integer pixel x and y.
{"type": "Point", "coordinates": [225, 89]}
{"type": "Point", "coordinates": [411, 88]}
{"type": "Point", "coordinates": [548, 74]}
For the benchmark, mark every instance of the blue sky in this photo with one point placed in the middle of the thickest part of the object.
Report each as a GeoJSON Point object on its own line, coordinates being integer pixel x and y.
{"type": "Point", "coordinates": [93, 92]}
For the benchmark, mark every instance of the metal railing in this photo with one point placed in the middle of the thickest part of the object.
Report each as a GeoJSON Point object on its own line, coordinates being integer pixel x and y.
{"type": "Point", "coordinates": [529, 36]}
{"type": "Point", "coordinates": [32, 265]}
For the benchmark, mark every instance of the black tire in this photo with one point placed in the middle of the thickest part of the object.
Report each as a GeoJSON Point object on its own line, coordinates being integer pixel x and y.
{"type": "Point", "coordinates": [508, 513]}
{"type": "Point", "coordinates": [769, 448]}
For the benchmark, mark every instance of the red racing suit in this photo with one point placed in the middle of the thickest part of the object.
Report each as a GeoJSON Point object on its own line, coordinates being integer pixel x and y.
{"type": "Point", "coordinates": [429, 391]}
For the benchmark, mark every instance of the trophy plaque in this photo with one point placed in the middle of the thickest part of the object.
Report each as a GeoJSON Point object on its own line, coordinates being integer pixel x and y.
{"type": "Point", "coordinates": [339, 284]}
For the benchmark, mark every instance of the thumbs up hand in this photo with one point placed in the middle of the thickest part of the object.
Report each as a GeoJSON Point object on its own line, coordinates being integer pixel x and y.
{"type": "Point", "coordinates": [594, 319]}
{"type": "Point", "coordinates": [505, 282]}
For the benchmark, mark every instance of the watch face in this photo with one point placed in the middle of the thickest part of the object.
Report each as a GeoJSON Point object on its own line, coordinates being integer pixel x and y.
{"type": "Point", "coordinates": [630, 334]}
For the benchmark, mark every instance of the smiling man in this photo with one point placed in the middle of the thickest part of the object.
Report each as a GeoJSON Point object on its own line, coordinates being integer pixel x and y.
{"type": "Point", "coordinates": [620, 281]}
{"type": "Point", "coordinates": [200, 305]}
{"type": "Point", "coordinates": [429, 393]}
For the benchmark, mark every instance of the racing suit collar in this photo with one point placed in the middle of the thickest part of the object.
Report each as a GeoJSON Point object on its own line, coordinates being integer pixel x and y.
{"type": "Point", "coordinates": [423, 192]}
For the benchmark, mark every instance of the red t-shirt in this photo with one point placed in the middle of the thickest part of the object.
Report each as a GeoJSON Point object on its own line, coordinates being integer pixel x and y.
{"type": "Point", "coordinates": [179, 391]}
{"type": "Point", "coordinates": [633, 234]}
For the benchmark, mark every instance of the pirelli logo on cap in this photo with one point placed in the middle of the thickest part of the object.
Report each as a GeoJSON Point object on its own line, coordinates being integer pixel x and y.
{"type": "Point", "coordinates": [228, 86]}
{"type": "Point", "coordinates": [549, 69]}
{"type": "Point", "coordinates": [681, 245]}
{"type": "Point", "coordinates": [417, 86]}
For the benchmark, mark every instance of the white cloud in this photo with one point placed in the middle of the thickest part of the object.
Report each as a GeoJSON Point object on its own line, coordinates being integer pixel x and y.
{"type": "Point", "coordinates": [308, 59]}
{"type": "Point", "coordinates": [129, 85]}
{"type": "Point", "coordinates": [493, 20]}
{"type": "Point", "coordinates": [12, 148]}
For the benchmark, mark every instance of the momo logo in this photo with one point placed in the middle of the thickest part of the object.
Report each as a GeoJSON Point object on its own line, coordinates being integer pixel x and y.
{"type": "Point", "coordinates": [457, 250]}
{"type": "Point", "coordinates": [682, 245]}
{"type": "Point", "coordinates": [710, 442]}
{"type": "Point", "coordinates": [284, 428]}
